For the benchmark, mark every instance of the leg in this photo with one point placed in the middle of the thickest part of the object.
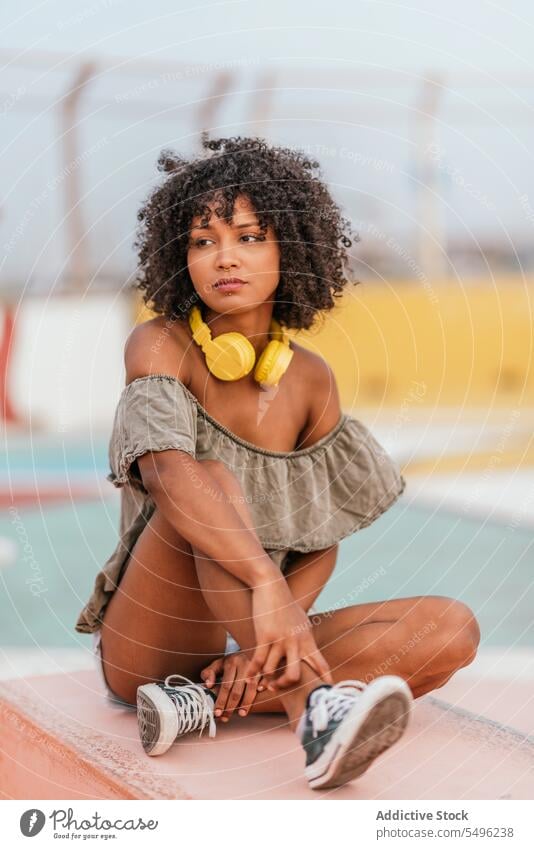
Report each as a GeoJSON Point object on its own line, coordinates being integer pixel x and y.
{"type": "Point", "coordinates": [424, 639]}
{"type": "Point", "coordinates": [157, 622]}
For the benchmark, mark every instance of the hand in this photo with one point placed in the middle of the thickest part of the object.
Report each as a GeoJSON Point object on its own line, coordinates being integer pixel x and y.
{"type": "Point", "coordinates": [233, 689]}
{"type": "Point", "coordinates": [282, 629]}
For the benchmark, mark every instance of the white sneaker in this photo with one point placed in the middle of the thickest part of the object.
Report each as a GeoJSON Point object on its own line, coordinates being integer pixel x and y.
{"type": "Point", "coordinates": [345, 727]}
{"type": "Point", "coordinates": [165, 712]}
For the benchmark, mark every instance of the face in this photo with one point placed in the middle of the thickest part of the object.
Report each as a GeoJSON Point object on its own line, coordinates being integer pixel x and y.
{"type": "Point", "coordinates": [233, 250]}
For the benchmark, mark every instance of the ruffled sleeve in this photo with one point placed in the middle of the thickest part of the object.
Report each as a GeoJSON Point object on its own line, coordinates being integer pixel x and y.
{"type": "Point", "coordinates": [154, 413]}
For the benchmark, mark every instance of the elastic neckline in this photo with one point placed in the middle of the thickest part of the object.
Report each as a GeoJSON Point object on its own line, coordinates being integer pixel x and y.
{"type": "Point", "coordinates": [299, 452]}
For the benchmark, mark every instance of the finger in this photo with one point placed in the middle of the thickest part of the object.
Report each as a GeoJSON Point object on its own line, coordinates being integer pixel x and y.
{"type": "Point", "coordinates": [225, 689]}
{"type": "Point", "coordinates": [256, 662]}
{"type": "Point", "coordinates": [318, 663]}
{"type": "Point", "coordinates": [236, 694]}
{"type": "Point", "coordinates": [292, 671]}
{"type": "Point", "coordinates": [249, 697]}
{"type": "Point", "coordinates": [271, 663]}
{"type": "Point", "coordinates": [212, 669]}
{"type": "Point", "coordinates": [209, 674]}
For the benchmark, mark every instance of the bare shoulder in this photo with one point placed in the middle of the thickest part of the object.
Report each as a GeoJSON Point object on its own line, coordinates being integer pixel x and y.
{"type": "Point", "coordinates": [321, 395]}
{"type": "Point", "coordinates": [314, 370]}
{"type": "Point", "coordinates": [157, 346]}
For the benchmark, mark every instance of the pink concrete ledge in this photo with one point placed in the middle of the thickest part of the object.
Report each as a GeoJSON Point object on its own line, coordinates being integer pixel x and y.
{"type": "Point", "coordinates": [61, 740]}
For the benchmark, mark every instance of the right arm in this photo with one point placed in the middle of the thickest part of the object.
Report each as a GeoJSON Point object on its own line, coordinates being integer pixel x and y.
{"type": "Point", "coordinates": [213, 525]}
{"type": "Point", "coordinates": [189, 498]}
{"type": "Point", "coordinates": [181, 487]}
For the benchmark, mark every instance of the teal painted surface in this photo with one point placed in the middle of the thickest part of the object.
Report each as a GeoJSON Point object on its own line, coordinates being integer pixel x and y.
{"type": "Point", "coordinates": [53, 455]}
{"type": "Point", "coordinates": [411, 551]}
{"type": "Point", "coordinates": [407, 552]}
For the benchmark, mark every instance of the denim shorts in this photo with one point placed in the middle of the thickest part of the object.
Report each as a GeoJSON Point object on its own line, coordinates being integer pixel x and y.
{"type": "Point", "coordinates": [114, 700]}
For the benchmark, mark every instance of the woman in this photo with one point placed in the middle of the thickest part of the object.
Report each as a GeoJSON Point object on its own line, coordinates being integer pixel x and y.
{"type": "Point", "coordinates": [239, 476]}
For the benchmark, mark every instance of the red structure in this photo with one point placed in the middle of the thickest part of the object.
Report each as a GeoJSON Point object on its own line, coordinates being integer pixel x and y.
{"type": "Point", "coordinates": [7, 411]}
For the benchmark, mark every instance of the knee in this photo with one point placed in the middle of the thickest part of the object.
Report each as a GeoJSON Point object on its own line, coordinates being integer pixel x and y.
{"type": "Point", "coordinates": [459, 632]}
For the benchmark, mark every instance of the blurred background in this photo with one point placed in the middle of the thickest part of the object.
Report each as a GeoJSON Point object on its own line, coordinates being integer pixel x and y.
{"type": "Point", "coordinates": [422, 119]}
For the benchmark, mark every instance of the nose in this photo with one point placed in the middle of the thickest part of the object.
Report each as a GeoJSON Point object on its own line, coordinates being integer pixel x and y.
{"type": "Point", "coordinates": [226, 257]}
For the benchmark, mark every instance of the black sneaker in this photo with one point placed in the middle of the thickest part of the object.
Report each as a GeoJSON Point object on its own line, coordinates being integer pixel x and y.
{"type": "Point", "coordinates": [345, 727]}
{"type": "Point", "coordinates": [166, 712]}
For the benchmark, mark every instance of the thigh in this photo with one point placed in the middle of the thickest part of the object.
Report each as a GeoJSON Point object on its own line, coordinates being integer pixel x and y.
{"type": "Point", "coordinates": [414, 613]}
{"type": "Point", "coordinates": [157, 622]}
{"type": "Point", "coordinates": [420, 637]}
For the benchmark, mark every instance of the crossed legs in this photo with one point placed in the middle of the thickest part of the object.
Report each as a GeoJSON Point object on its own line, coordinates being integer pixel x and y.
{"type": "Point", "coordinates": [173, 607]}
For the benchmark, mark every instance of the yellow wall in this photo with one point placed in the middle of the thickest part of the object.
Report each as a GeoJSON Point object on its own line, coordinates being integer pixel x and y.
{"type": "Point", "coordinates": [449, 343]}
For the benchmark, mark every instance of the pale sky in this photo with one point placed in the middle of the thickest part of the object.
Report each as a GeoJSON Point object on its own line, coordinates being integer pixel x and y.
{"type": "Point", "coordinates": [365, 135]}
{"type": "Point", "coordinates": [418, 34]}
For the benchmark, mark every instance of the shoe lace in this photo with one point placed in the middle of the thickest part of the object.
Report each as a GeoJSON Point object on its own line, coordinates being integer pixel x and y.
{"type": "Point", "coordinates": [332, 703]}
{"type": "Point", "coordinates": [194, 706]}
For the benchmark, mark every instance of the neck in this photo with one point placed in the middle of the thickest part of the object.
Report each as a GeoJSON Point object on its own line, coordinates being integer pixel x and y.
{"type": "Point", "coordinates": [255, 324]}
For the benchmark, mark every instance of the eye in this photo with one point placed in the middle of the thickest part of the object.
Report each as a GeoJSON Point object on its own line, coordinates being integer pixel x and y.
{"type": "Point", "coordinates": [246, 238]}
{"type": "Point", "coordinates": [200, 243]}
{"type": "Point", "coordinates": [253, 237]}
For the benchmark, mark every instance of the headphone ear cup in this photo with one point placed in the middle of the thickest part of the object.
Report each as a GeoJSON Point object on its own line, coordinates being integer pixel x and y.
{"type": "Point", "coordinates": [273, 363]}
{"type": "Point", "coordinates": [230, 356]}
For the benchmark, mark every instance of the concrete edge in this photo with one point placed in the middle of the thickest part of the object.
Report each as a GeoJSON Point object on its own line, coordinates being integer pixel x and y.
{"type": "Point", "coordinates": [87, 751]}
{"type": "Point", "coordinates": [479, 727]}
{"type": "Point", "coordinates": [83, 759]}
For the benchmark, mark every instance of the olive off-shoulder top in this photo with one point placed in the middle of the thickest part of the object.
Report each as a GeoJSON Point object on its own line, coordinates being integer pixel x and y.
{"type": "Point", "coordinates": [303, 500]}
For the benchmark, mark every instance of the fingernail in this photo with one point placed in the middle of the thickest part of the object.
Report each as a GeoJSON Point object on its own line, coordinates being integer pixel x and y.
{"type": "Point", "coordinates": [242, 712]}
{"type": "Point", "coordinates": [224, 719]}
{"type": "Point", "coordinates": [260, 688]}
{"type": "Point", "coordinates": [218, 712]}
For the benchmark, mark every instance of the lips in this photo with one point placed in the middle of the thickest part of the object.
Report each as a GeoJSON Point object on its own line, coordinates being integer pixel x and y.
{"type": "Point", "coordinates": [228, 284]}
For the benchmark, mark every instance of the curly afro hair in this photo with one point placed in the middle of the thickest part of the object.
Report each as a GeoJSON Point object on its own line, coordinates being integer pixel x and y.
{"type": "Point", "coordinates": [285, 191]}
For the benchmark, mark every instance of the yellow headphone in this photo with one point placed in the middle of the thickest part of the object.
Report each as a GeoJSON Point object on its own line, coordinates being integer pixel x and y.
{"type": "Point", "coordinates": [231, 356]}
